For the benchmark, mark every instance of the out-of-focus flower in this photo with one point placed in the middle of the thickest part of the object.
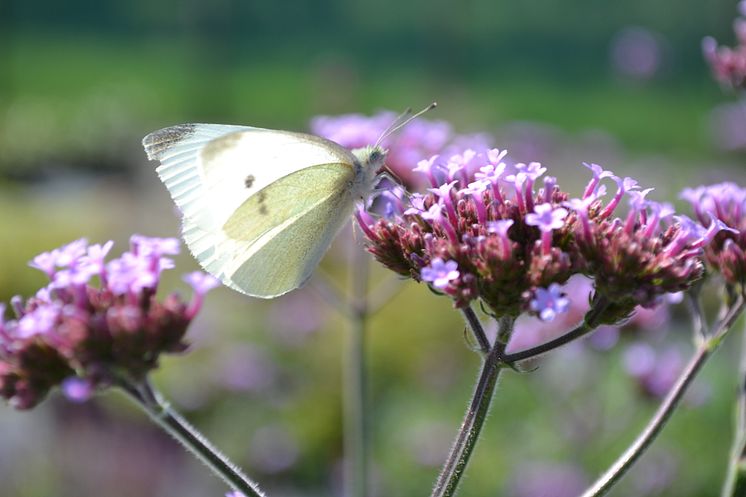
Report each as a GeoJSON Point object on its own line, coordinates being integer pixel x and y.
{"type": "Point", "coordinates": [655, 372]}
{"type": "Point", "coordinates": [96, 322]}
{"type": "Point", "coordinates": [420, 138]}
{"type": "Point", "coordinates": [727, 125]}
{"type": "Point", "coordinates": [505, 239]}
{"type": "Point", "coordinates": [636, 53]}
{"type": "Point", "coordinates": [721, 210]}
{"type": "Point", "coordinates": [728, 65]}
{"type": "Point", "coordinates": [273, 449]}
{"type": "Point", "coordinates": [545, 479]}
{"type": "Point", "coordinates": [549, 302]}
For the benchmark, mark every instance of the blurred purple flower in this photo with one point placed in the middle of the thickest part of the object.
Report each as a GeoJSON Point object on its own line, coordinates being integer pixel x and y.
{"type": "Point", "coordinates": [636, 53]}
{"type": "Point", "coordinates": [655, 372]}
{"type": "Point", "coordinates": [273, 449]}
{"type": "Point", "coordinates": [549, 302]}
{"type": "Point", "coordinates": [547, 479]}
{"type": "Point", "coordinates": [77, 389]}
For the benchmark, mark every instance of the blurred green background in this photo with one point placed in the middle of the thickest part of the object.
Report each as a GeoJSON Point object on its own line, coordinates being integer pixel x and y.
{"type": "Point", "coordinates": [620, 83]}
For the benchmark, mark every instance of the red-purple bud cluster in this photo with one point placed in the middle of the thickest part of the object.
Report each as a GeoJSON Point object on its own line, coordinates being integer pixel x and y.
{"type": "Point", "coordinates": [485, 230]}
{"type": "Point", "coordinates": [96, 322]}
{"type": "Point", "coordinates": [723, 205]}
{"type": "Point", "coordinates": [728, 65]}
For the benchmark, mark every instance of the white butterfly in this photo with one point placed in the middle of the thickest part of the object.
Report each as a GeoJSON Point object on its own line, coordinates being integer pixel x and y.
{"type": "Point", "coordinates": [261, 207]}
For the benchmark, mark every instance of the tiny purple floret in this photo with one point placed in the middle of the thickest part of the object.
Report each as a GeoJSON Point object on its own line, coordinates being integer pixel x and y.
{"type": "Point", "coordinates": [440, 273]}
{"type": "Point", "coordinates": [548, 303]}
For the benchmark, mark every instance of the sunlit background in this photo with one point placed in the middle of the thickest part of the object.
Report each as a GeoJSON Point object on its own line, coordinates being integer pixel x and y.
{"type": "Point", "coordinates": [618, 83]}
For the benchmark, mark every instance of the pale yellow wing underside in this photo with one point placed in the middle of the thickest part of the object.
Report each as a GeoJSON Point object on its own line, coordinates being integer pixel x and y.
{"type": "Point", "coordinates": [274, 240]}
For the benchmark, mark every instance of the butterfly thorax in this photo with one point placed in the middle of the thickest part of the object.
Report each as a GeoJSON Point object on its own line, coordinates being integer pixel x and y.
{"type": "Point", "coordinates": [370, 162]}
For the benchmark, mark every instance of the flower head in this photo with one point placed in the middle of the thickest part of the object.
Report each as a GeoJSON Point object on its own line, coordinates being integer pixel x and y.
{"type": "Point", "coordinates": [728, 65]}
{"type": "Point", "coordinates": [471, 238]}
{"type": "Point", "coordinates": [81, 336]}
{"type": "Point", "coordinates": [720, 210]}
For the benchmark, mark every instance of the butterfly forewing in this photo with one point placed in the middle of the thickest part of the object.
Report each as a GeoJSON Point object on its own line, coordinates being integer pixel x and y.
{"type": "Point", "coordinates": [260, 207]}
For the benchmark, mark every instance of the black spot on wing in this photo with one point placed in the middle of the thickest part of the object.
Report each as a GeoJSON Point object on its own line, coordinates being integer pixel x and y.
{"type": "Point", "coordinates": [262, 197]}
{"type": "Point", "coordinates": [249, 181]}
{"type": "Point", "coordinates": [159, 141]}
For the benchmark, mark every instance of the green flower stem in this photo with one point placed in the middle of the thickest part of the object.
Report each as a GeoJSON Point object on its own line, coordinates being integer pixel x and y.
{"type": "Point", "coordinates": [151, 401]}
{"type": "Point", "coordinates": [590, 323]}
{"type": "Point", "coordinates": [355, 407]}
{"type": "Point", "coordinates": [476, 328]}
{"type": "Point", "coordinates": [735, 482]}
{"type": "Point", "coordinates": [468, 434]}
{"type": "Point", "coordinates": [704, 350]}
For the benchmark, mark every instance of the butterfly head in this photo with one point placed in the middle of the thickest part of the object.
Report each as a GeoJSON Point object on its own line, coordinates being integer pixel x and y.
{"type": "Point", "coordinates": [371, 161]}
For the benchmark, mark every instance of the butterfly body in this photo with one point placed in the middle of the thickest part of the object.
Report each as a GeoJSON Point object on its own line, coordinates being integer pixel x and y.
{"type": "Point", "coordinates": [260, 207]}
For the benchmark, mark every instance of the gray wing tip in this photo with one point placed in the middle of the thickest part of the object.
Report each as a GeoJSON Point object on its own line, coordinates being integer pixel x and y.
{"type": "Point", "coordinates": [159, 141]}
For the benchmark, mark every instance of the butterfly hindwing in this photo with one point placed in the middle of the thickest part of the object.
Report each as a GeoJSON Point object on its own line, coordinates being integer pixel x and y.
{"type": "Point", "coordinates": [272, 242]}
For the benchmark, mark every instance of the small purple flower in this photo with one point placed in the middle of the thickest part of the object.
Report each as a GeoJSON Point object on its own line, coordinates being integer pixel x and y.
{"type": "Point", "coordinates": [623, 186]}
{"type": "Point", "coordinates": [152, 246]}
{"type": "Point", "coordinates": [495, 156]}
{"type": "Point", "coordinates": [62, 257]}
{"type": "Point", "coordinates": [500, 228]}
{"type": "Point", "coordinates": [492, 174]}
{"type": "Point", "coordinates": [46, 262]}
{"type": "Point", "coordinates": [429, 168]}
{"type": "Point", "coordinates": [235, 493]}
{"type": "Point", "coordinates": [201, 282]}
{"type": "Point", "coordinates": [547, 218]}
{"type": "Point", "coordinates": [550, 302]}
{"type": "Point", "coordinates": [95, 256]}
{"type": "Point", "coordinates": [598, 174]}
{"type": "Point", "coordinates": [444, 193]}
{"type": "Point", "coordinates": [475, 190]}
{"type": "Point", "coordinates": [417, 205]}
{"type": "Point", "coordinates": [440, 273]}
{"type": "Point", "coordinates": [40, 321]}
{"type": "Point", "coordinates": [77, 389]}
{"type": "Point", "coordinates": [581, 206]}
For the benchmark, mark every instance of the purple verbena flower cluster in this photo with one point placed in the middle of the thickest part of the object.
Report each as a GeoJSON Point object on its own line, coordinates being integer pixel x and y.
{"type": "Point", "coordinates": [95, 322]}
{"type": "Point", "coordinates": [723, 206]}
{"type": "Point", "coordinates": [484, 230]}
{"type": "Point", "coordinates": [728, 65]}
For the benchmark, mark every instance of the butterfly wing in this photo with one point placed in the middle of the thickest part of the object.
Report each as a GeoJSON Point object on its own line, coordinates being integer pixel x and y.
{"type": "Point", "coordinates": [260, 207]}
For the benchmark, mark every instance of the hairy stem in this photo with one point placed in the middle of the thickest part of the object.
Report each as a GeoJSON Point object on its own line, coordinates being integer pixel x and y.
{"type": "Point", "coordinates": [151, 401]}
{"type": "Point", "coordinates": [471, 427]}
{"type": "Point", "coordinates": [704, 350]}
{"type": "Point", "coordinates": [476, 328]}
{"type": "Point", "coordinates": [735, 482]}
{"type": "Point", "coordinates": [355, 410]}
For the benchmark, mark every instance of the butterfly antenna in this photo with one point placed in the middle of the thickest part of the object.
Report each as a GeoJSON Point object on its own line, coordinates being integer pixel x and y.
{"type": "Point", "coordinates": [393, 124]}
{"type": "Point", "coordinates": [406, 120]}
